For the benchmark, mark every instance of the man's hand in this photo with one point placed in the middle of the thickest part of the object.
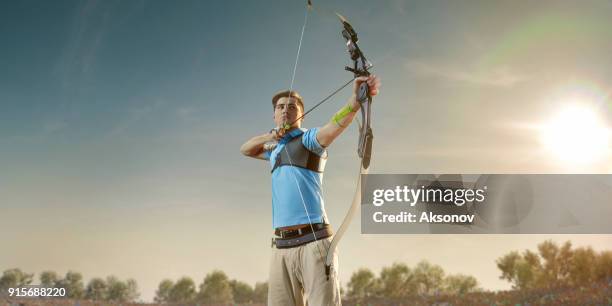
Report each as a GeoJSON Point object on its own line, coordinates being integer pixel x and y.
{"type": "Point", "coordinates": [328, 133]}
{"type": "Point", "coordinates": [256, 146]}
{"type": "Point", "coordinates": [277, 133]}
{"type": "Point", "coordinates": [373, 84]}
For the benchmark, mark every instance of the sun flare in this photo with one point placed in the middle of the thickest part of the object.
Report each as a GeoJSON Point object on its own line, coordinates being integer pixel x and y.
{"type": "Point", "coordinates": [576, 135]}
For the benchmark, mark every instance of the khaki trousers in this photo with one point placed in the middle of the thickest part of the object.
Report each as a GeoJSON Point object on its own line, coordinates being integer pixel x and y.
{"type": "Point", "coordinates": [297, 276]}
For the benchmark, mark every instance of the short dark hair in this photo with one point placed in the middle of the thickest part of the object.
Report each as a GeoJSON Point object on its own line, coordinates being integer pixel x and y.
{"type": "Point", "coordinates": [287, 94]}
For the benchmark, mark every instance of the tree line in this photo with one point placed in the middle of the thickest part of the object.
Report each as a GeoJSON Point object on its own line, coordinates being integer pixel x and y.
{"type": "Point", "coordinates": [216, 288]}
{"type": "Point", "coordinates": [554, 265]}
{"type": "Point", "coordinates": [110, 289]}
{"type": "Point", "coordinates": [400, 282]}
{"type": "Point", "coordinates": [549, 267]}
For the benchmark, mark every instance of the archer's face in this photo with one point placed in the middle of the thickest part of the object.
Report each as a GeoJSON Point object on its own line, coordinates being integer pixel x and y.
{"type": "Point", "coordinates": [286, 111]}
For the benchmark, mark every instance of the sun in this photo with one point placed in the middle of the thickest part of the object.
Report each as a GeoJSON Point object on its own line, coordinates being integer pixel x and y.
{"type": "Point", "coordinates": [576, 135]}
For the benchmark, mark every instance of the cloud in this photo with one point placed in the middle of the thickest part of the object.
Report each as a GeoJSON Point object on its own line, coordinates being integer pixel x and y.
{"type": "Point", "coordinates": [500, 77]}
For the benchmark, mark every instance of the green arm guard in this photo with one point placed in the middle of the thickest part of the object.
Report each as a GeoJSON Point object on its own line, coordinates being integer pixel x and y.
{"type": "Point", "coordinates": [341, 114]}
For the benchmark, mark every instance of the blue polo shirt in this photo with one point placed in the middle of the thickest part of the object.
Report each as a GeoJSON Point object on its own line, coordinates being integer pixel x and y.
{"type": "Point", "coordinates": [295, 187]}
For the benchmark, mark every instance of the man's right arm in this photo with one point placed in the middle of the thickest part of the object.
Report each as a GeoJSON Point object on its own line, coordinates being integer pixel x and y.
{"type": "Point", "coordinates": [254, 147]}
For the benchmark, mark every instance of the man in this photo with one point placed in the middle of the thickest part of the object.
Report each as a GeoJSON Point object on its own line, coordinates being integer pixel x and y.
{"type": "Point", "coordinates": [303, 235]}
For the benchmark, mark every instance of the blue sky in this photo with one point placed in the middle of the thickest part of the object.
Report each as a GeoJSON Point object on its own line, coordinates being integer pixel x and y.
{"type": "Point", "coordinates": [121, 122]}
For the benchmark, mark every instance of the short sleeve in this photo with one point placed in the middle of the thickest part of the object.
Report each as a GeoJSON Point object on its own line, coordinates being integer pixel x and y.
{"type": "Point", "coordinates": [309, 140]}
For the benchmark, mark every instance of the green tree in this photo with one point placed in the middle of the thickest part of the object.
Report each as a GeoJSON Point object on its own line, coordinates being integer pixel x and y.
{"type": "Point", "coordinates": [507, 264]}
{"type": "Point", "coordinates": [162, 295]}
{"type": "Point", "coordinates": [260, 293]}
{"type": "Point", "coordinates": [604, 266]}
{"type": "Point", "coordinates": [242, 292]}
{"type": "Point", "coordinates": [14, 278]}
{"type": "Point", "coordinates": [526, 274]}
{"type": "Point", "coordinates": [73, 283]}
{"type": "Point", "coordinates": [121, 292]}
{"type": "Point", "coordinates": [215, 289]}
{"type": "Point", "coordinates": [132, 290]}
{"type": "Point", "coordinates": [362, 285]}
{"type": "Point", "coordinates": [532, 259]}
{"type": "Point", "coordinates": [48, 279]}
{"type": "Point", "coordinates": [96, 290]}
{"type": "Point", "coordinates": [460, 284]}
{"type": "Point", "coordinates": [583, 266]}
{"type": "Point", "coordinates": [548, 251]}
{"type": "Point", "coordinates": [396, 282]}
{"type": "Point", "coordinates": [522, 271]}
{"type": "Point", "coordinates": [428, 277]}
{"type": "Point", "coordinates": [556, 263]}
{"type": "Point", "coordinates": [183, 291]}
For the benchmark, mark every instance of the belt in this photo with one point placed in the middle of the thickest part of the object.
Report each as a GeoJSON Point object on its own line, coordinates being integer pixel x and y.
{"type": "Point", "coordinates": [285, 243]}
{"type": "Point", "coordinates": [294, 233]}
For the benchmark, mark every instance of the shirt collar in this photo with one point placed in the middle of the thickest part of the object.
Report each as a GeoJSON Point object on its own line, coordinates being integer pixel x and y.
{"type": "Point", "coordinates": [294, 133]}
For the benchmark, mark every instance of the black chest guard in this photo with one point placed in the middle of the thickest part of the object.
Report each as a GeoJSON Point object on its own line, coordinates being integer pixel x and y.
{"type": "Point", "coordinates": [295, 154]}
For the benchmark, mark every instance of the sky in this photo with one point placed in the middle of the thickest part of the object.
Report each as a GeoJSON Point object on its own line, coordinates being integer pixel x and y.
{"type": "Point", "coordinates": [121, 124]}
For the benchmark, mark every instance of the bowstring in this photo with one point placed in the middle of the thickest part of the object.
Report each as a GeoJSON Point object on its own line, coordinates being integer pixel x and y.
{"type": "Point", "coordinates": [361, 169]}
{"type": "Point", "coordinates": [309, 6]}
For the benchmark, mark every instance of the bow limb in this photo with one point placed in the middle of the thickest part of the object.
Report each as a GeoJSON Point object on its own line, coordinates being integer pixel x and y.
{"type": "Point", "coordinates": [329, 258]}
{"type": "Point", "coordinates": [364, 150]}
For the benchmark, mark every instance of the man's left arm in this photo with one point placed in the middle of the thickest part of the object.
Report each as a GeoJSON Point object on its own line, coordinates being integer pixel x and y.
{"type": "Point", "coordinates": [343, 118]}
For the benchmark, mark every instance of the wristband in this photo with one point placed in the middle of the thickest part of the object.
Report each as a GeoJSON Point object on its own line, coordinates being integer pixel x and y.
{"type": "Point", "coordinates": [341, 114]}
